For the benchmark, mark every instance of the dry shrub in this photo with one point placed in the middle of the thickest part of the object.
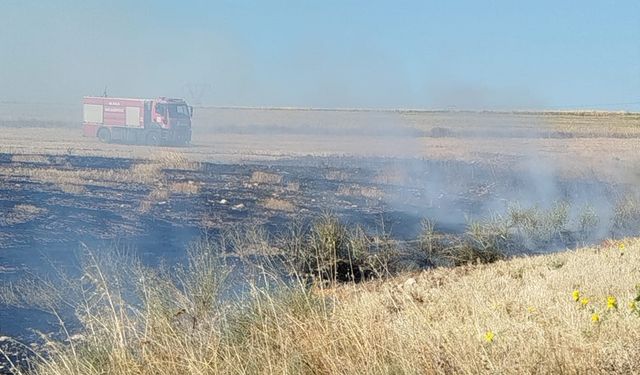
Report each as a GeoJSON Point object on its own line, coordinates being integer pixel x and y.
{"type": "Point", "coordinates": [259, 177]}
{"type": "Point", "coordinates": [278, 205]}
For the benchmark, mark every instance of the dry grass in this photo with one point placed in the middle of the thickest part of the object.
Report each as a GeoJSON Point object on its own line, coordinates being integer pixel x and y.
{"type": "Point", "coordinates": [70, 188]}
{"type": "Point", "coordinates": [189, 187]}
{"type": "Point", "coordinates": [393, 176]}
{"type": "Point", "coordinates": [259, 177]}
{"type": "Point", "coordinates": [145, 206]}
{"type": "Point", "coordinates": [249, 241]}
{"type": "Point", "coordinates": [278, 205]}
{"type": "Point", "coordinates": [73, 180]}
{"type": "Point", "coordinates": [561, 313]}
{"type": "Point", "coordinates": [30, 158]}
{"type": "Point", "coordinates": [147, 171]}
{"type": "Point", "coordinates": [509, 317]}
{"type": "Point", "coordinates": [157, 195]}
{"type": "Point", "coordinates": [336, 175]}
{"type": "Point", "coordinates": [292, 186]}
{"type": "Point", "coordinates": [174, 160]}
{"type": "Point", "coordinates": [20, 214]}
{"type": "Point", "coordinates": [581, 138]}
{"type": "Point", "coordinates": [140, 173]}
{"type": "Point", "coordinates": [360, 191]}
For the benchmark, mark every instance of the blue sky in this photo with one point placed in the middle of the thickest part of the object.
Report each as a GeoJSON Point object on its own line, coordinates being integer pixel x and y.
{"type": "Point", "coordinates": [393, 54]}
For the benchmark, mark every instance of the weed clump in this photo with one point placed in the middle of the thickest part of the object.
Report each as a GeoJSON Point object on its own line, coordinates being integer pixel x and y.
{"type": "Point", "coordinates": [520, 230]}
{"type": "Point", "coordinates": [588, 222]}
{"type": "Point", "coordinates": [539, 228]}
{"type": "Point", "coordinates": [626, 216]}
{"type": "Point", "coordinates": [328, 250]}
{"type": "Point", "coordinates": [482, 242]}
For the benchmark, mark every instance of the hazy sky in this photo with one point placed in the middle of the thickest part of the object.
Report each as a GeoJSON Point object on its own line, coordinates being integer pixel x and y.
{"type": "Point", "coordinates": [423, 54]}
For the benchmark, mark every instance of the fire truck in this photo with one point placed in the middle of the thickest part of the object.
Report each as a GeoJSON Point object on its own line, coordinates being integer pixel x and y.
{"type": "Point", "coordinates": [161, 121]}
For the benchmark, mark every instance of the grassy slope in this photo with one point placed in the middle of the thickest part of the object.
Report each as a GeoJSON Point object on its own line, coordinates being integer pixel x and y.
{"type": "Point", "coordinates": [516, 316]}
{"type": "Point", "coordinates": [441, 323]}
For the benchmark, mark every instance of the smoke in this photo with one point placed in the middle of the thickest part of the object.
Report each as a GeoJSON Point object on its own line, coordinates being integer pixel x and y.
{"type": "Point", "coordinates": [505, 166]}
{"type": "Point", "coordinates": [458, 95]}
{"type": "Point", "coordinates": [449, 167]}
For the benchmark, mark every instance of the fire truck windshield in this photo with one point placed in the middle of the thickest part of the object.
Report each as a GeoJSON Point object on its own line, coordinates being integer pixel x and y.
{"type": "Point", "coordinates": [178, 110]}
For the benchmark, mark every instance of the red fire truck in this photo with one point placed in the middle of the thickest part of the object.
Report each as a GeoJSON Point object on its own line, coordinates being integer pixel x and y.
{"type": "Point", "coordinates": [143, 121]}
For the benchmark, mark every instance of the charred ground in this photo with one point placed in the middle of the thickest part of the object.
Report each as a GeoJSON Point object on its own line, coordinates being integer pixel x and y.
{"type": "Point", "coordinates": [159, 205]}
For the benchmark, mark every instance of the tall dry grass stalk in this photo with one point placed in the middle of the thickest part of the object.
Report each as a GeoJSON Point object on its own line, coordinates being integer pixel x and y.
{"type": "Point", "coordinates": [572, 312]}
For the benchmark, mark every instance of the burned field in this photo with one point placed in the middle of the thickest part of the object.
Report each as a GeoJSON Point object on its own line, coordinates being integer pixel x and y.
{"type": "Point", "coordinates": [430, 198]}
{"type": "Point", "coordinates": [86, 199]}
{"type": "Point", "coordinates": [54, 204]}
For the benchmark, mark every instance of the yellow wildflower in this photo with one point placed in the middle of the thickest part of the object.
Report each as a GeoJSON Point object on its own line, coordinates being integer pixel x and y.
{"type": "Point", "coordinates": [595, 317]}
{"type": "Point", "coordinates": [489, 336]}
{"type": "Point", "coordinates": [531, 309]}
{"type": "Point", "coordinates": [621, 246]}
{"type": "Point", "coordinates": [584, 301]}
{"type": "Point", "coordinates": [576, 295]}
{"type": "Point", "coordinates": [612, 303]}
{"type": "Point", "coordinates": [633, 305]}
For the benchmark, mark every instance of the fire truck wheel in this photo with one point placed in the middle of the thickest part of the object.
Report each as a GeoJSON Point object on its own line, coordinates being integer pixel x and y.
{"type": "Point", "coordinates": [104, 135]}
{"type": "Point", "coordinates": [153, 139]}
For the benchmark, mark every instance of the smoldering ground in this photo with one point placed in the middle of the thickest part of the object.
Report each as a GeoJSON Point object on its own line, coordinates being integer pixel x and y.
{"type": "Point", "coordinates": [518, 177]}
{"type": "Point", "coordinates": [52, 203]}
